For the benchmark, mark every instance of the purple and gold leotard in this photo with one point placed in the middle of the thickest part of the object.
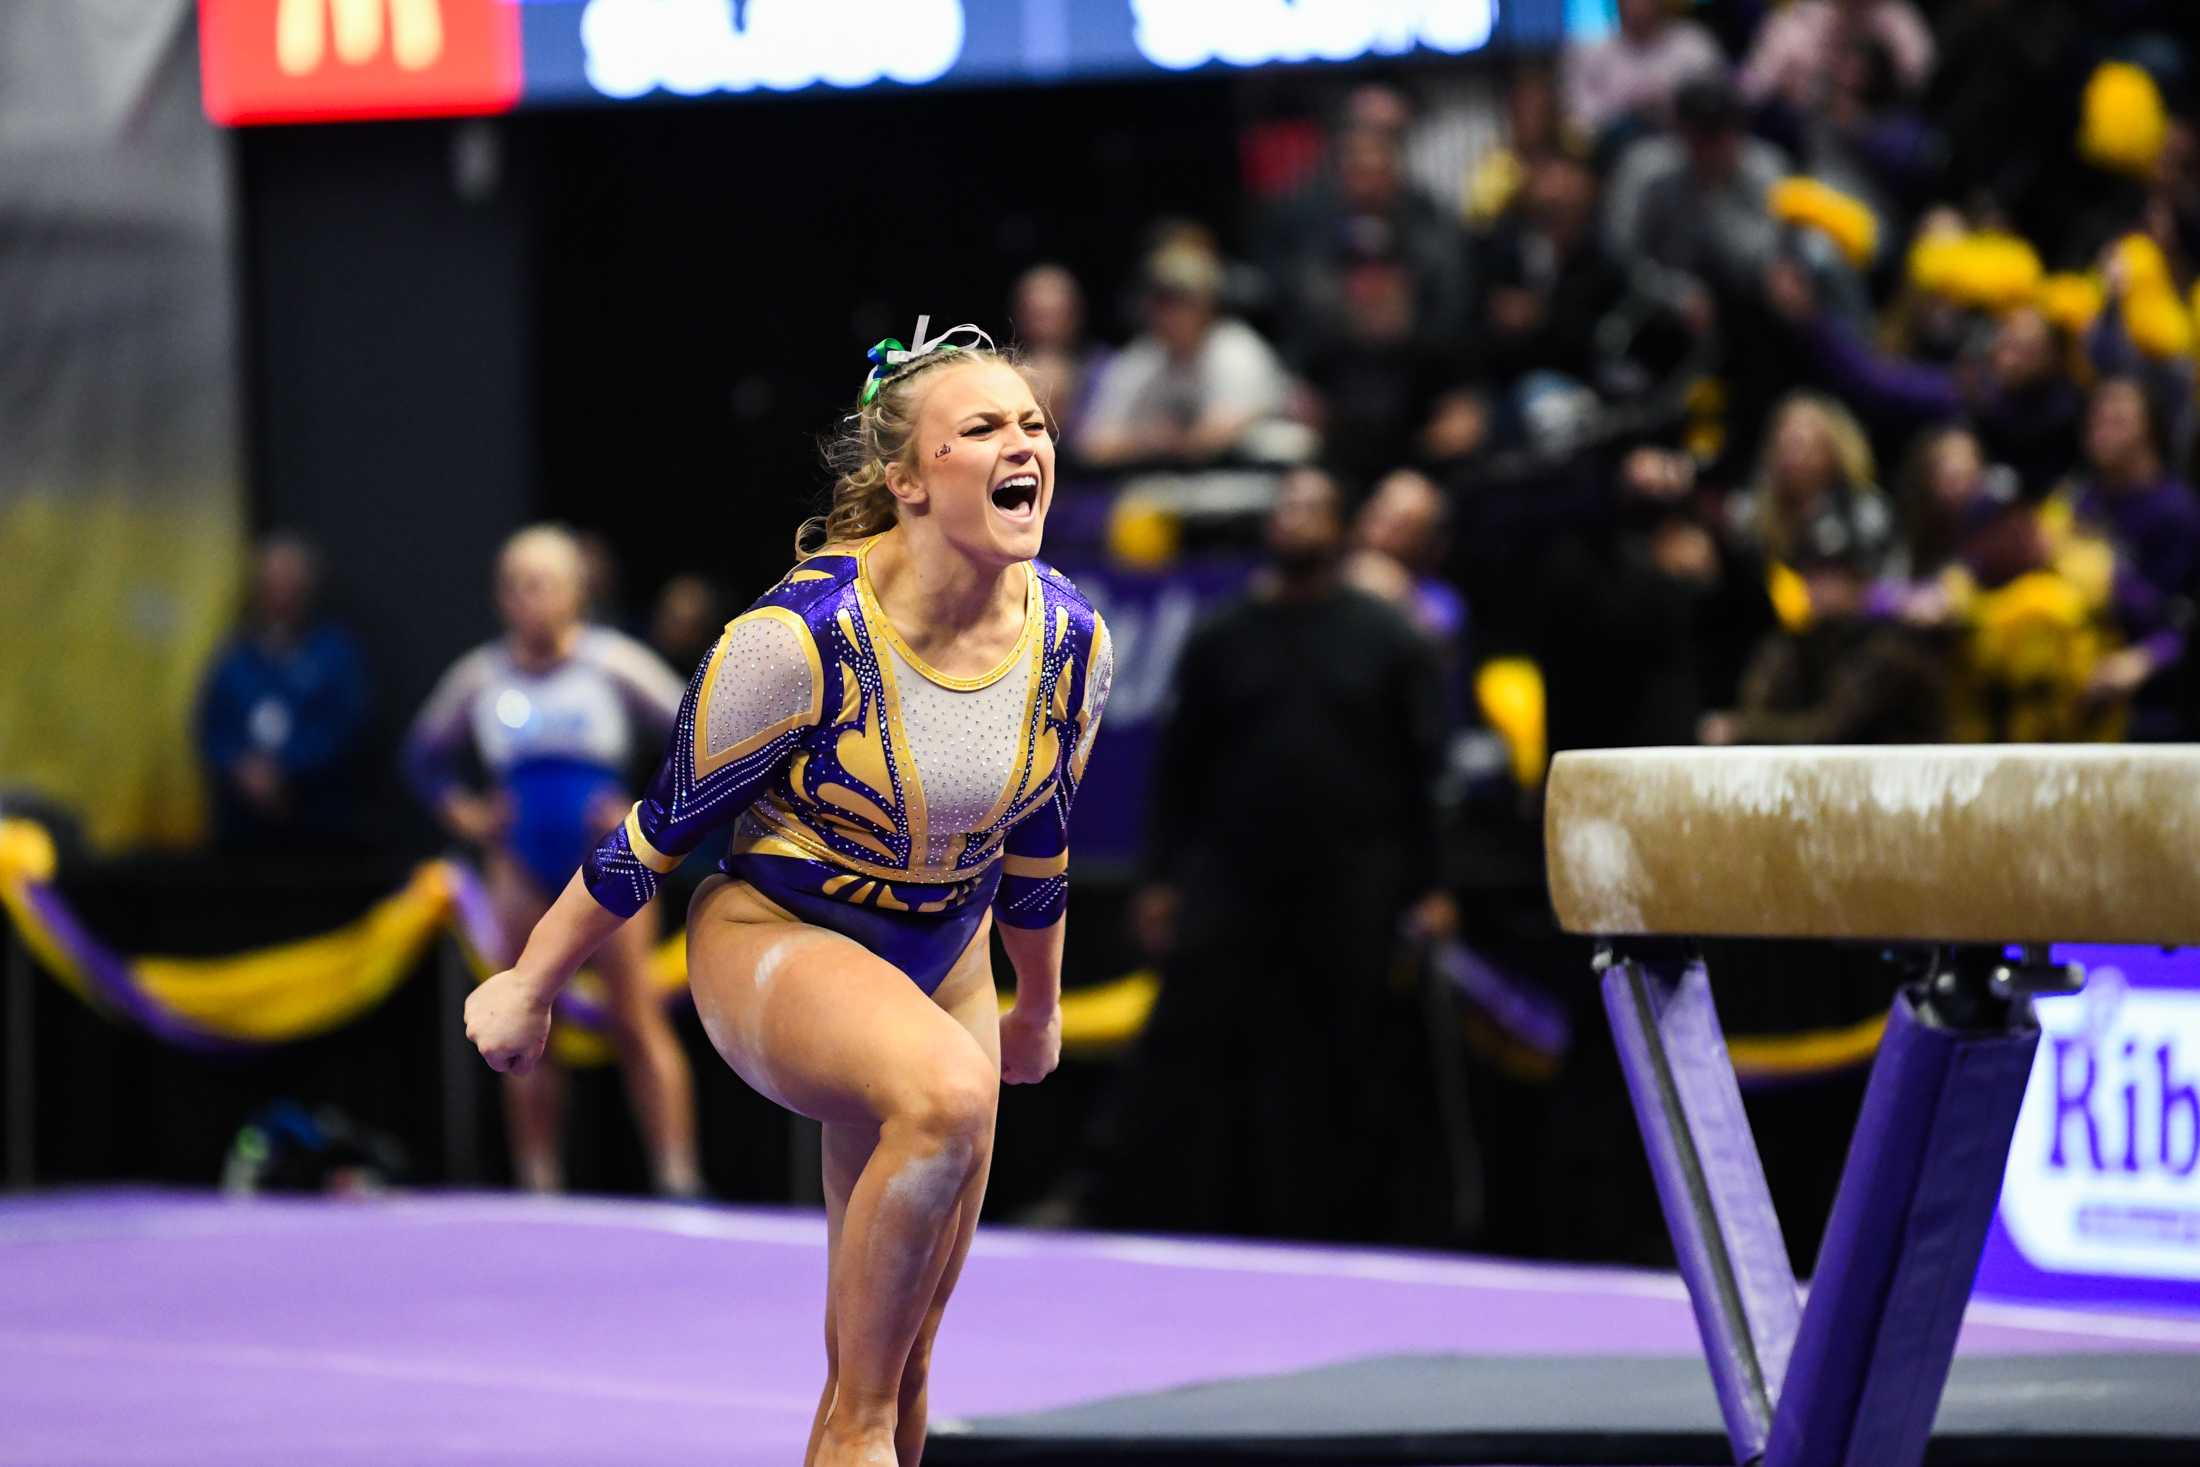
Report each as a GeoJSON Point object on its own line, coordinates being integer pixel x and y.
{"type": "Point", "coordinates": [870, 793]}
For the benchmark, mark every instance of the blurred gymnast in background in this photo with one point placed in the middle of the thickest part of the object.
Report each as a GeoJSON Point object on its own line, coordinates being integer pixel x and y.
{"type": "Point", "coordinates": [895, 732]}
{"type": "Point", "coordinates": [554, 709]}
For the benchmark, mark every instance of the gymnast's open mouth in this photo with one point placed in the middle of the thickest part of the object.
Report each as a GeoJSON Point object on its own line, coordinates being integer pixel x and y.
{"type": "Point", "coordinates": [1017, 496]}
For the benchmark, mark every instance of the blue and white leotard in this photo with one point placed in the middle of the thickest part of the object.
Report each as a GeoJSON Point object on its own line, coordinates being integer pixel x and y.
{"type": "Point", "coordinates": [557, 742]}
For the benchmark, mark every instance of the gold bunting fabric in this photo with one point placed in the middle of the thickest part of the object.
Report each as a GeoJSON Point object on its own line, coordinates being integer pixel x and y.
{"type": "Point", "coordinates": [289, 991]}
{"type": "Point", "coordinates": [295, 990]}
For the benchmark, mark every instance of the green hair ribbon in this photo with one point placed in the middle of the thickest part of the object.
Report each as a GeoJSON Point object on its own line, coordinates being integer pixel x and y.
{"type": "Point", "coordinates": [889, 356]}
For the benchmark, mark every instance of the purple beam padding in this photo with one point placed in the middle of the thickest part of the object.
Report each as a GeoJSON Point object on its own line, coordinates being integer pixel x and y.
{"type": "Point", "coordinates": [1710, 1184]}
{"type": "Point", "coordinates": [1902, 1245]}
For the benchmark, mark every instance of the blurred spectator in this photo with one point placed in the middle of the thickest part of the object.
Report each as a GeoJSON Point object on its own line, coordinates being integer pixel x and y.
{"type": "Point", "coordinates": [1531, 132]}
{"type": "Point", "coordinates": [1816, 471]}
{"type": "Point", "coordinates": [1194, 383]}
{"type": "Point", "coordinates": [1693, 204]}
{"type": "Point", "coordinates": [1048, 312]}
{"type": "Point", "coordinates": [553, 711]}
{"type": "Point", "coordinates": [1365, 204]}
{"type": "Point", "coordinates": [1377, 368]}
{"type": "Point", "coordinates": [281, 714]}
{"type": "Point", "coordinates": [1847, 676]}
{"type": "Point", "coordinates": [2016, 393]}
{"type": "Point", "coordinates": [1269, 1093]}
{"type": "Point", "coordinates": [1646, 618]}
{"type": "Point", "coordinates": [1799, 46]}
{"type": "Point", "coordinates": [2003, 99]}
{"type": "Point", "coordinates": [1439, 125]}
{"type": "Point", "coordinates": [1868, 139]}
{"type": "Point", "coordinates": [1943, 474]}
{"type": "Point", "coordinates": [1628, 78]}
{"type": "Point", "coordinates": [690, 615]}
{"type": "Point", "coordinates": [2173, 193]}
{"type": "Point", "coordinates": [2138, 281]}
{"type": "Point", "coordinates": [1547, 279]}
{"type": "Point", "coordinates": [2033, 608]}
{"type": "Point", "coordinates": [2152, 520]}
{"type": "Point", "coordinates": [1397, 545]}
{"type": "Point", "coordinates": [603, 582]}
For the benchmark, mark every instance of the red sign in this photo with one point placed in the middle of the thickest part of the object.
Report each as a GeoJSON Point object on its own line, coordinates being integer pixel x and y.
{"type": "Point", "coordinates": [315, 60]}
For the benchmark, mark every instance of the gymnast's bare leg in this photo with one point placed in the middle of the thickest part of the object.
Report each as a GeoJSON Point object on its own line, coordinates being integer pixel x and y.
{"type": "Point", "coordinates": [906, 1087]}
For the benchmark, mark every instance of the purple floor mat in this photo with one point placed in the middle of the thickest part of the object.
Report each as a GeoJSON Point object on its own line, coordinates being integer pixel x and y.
{"type": "Point", "coordinates": [153, 1328]}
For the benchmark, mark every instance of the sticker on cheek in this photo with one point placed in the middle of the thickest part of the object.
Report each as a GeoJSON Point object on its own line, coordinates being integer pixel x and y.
{"type": "Point", "coordinates": [943, 450]}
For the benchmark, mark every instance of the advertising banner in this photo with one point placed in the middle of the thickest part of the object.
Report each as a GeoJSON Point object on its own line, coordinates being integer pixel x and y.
{"type": "Point", "coordinates": [309, 60]}
{"type": "Point", "coordinates": [2101, 1202]}
{"type": "Point", "coordinates": [301, 60]}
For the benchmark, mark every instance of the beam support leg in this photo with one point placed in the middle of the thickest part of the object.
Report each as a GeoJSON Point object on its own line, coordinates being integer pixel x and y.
{"type": "Point", "coordinates": [1902, 1246]}
{"type": "Point", "coordinates": [1710, 1183]}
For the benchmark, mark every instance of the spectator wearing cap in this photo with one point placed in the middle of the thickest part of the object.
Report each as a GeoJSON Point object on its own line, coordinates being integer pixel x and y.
{"type": "Point", "coordinates": [1629, 76]}
{"type": "Point", "coordinates": [1692, 203]}
{"type": "Point", "coordinates": [1847, 676]}
{"type": "Point", "coordinates": [1193, 384]}
{"type": "Point", "coordinates": [2151, 519]}
{"type": "Point", "coordinates": [1816, 469]}
{"type": "Point", "coordinates": [1793, 57]}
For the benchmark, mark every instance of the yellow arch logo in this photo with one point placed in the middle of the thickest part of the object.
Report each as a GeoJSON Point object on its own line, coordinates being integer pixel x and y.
{"type": "Point", "coordinates": [303, 32]}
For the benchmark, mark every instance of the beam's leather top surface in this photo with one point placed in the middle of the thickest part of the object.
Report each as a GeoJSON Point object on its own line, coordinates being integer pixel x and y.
{"type": "Point", "coordinates": [1964, 843]}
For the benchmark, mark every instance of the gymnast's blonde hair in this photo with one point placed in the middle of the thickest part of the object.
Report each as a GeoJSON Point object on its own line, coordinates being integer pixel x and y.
{"type": "Point", "coordinates": [877, 435]}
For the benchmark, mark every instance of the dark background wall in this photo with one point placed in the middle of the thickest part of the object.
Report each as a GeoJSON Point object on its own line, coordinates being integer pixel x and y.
{"type": "Point", "coordinates": [389, 327]}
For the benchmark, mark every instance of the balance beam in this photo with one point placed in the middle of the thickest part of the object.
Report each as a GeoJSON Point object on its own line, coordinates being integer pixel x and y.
{"type": "Point", "coordinates": [1979, 843]}
{"type": "Point", "coordinates": [1969, 852]}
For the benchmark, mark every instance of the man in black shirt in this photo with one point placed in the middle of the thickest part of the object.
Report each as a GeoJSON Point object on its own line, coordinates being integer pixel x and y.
{"type": "Point", "coordinates": [1294, 843]}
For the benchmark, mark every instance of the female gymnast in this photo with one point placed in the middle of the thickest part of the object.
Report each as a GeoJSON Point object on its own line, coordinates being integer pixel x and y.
{"type": "Point", "coordinates": [896, 731]}
{"type": "Point", "coordinates": [552, 709]}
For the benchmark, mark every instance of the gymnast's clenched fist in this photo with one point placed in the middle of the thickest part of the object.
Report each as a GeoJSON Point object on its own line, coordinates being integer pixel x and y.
{"type": "Point", "coordinates": [508, 1020]}
{"type": "Point", "coordinates": [1031, 1043]}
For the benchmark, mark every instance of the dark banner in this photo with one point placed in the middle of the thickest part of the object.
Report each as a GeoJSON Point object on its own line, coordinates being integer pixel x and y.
{"type": "Point", "coordinates": [1149, 614]}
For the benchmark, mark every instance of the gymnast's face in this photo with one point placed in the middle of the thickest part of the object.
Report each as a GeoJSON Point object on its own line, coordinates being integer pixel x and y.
{"type": "Point", "coordinates": [983, 464]}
